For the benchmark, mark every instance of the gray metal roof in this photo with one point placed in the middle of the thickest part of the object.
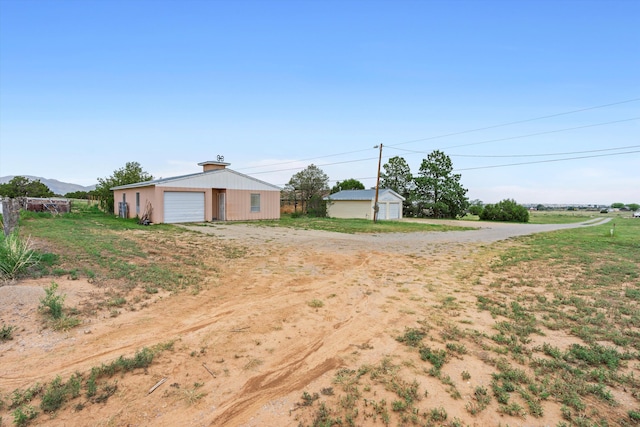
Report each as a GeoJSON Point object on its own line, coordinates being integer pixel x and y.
{"type": "Point", "coordinates": [193, 175]}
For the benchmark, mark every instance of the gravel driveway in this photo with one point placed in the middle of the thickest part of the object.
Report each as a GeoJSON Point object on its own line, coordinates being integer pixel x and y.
{"type": "Point", "coordinates": [487, 232]}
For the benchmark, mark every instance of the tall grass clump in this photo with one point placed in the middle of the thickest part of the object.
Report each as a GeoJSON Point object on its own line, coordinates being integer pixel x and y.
{"type": "Point", "coordinates": [16, 256]}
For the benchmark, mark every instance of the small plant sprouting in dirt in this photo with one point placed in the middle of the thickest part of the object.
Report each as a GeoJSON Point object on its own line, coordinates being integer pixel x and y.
{"type": "Point", "coordinates": [327, 391]}
{"type": "Point", "coordinates": [6, 332]}
{"type": "Point", "coordinates": [308, 399]}
{"type": "Point", "coordinates": [116, 302]}
{"type": "Point", "coordinates": [194, 394]}
{"type": "Point", "coordinates": [466, 375]}
{"type": "Point", "coordinates": [438, 414]}
{"type": "Point", "coordinates": [436, 357]}
{"type": "Point", "coordinates": [53, 305]}
{"type": "Point", "coordinates": [412, 337]}
{"type": "Point", "coordinates": [315, 303]}
{"type": "Point", "coordinates": [20, 398]}
{"type": "Point", "coordinates": [452, 333]}
{"type": "Point", "coordinates": [482, 400]}
{"type": "Point", "coordinates": [24, 414]}
{"type": "Point", "coordinates": [150, 289]}
{"type": "Point", "coordinates": [456, 348]}
{"type": "Point", "coordinates": [513, 409]}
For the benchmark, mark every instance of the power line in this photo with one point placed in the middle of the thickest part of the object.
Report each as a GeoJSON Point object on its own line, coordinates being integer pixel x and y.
{"type": "Point", "coordinates": [529, 155]}
{"type": "Point", "coordinates": [521, 163]}
{"type": "Point", "coordinates": [516, 122]}
{"type": "Point", "coordinates": [546, 161]}
{"type": "Point", "coordinates": [449, 134]}
{"type": "Point", "coordinates": [463, 145]}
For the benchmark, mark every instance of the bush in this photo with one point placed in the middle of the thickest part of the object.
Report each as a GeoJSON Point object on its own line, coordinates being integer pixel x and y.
{"type": "Point", "coordinates": [506, 210]}
{"type": "Point", "coordinates": [16, 256]}
{"type": "Point", "coordinates": [52, 302]}
{"type": "Point", "coordinates": [475, 209]}
{"type": "Point", "coordinates": [6, 332]}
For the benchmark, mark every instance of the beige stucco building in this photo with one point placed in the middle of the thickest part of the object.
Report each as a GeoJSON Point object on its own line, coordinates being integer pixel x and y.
{"type": "Point", "coordinates": [216, 193]}
{"type": "Point", "coordinates": [360, 204]}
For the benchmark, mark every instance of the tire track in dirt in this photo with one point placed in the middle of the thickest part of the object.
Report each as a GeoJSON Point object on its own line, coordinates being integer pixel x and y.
{"type": "Point", "coordinates": [355, 275]}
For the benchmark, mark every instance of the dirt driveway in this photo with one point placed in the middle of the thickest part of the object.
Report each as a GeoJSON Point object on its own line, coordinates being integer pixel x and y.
{"type": "Point", "coordinates": [276, 317]}
{"type": "Point", "coordinates": [486, 232]}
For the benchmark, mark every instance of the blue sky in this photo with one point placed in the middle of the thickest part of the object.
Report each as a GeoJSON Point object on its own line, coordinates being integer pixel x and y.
{"type": "Point", "coordinates": [273, 86]}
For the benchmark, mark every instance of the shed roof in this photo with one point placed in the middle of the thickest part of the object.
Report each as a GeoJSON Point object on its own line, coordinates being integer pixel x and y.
{"type": "Point", "coordinates": [363, 194]}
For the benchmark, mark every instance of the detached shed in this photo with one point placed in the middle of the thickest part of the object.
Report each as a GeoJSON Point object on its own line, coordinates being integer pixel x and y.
{"type": "Point", "coordinates": [360, 204]}
{"type": "Point", "coordinates": [216, 193]}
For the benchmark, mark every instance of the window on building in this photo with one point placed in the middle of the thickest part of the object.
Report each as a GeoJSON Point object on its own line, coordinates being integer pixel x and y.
{"type": "Point", "coordinates": [137, 204]}
{"type": "Point", "coordinates": [255, 203]}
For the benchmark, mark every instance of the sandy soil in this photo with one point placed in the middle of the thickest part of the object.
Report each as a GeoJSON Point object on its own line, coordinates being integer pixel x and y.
{"type": "Point", "coordinates": [251, 342]}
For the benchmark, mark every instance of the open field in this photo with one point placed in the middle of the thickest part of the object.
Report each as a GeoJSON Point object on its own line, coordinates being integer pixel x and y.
{"type": "Point", "coordinates": [270, 326]}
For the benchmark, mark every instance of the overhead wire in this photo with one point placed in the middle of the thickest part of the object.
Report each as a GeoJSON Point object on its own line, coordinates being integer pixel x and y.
{"type": "Point", "coordinates": [455, 134]}
{"type": "Point", "coordinates": [476, 143]}
{"type": "Point", "coordinates": [545, 161]}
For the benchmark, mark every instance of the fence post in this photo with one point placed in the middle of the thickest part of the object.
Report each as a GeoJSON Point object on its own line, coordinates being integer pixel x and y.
{"type": "Point", "coordinates": [10, 215]}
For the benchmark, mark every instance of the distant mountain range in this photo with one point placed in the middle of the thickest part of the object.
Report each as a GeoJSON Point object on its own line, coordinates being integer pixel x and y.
{"type": "Point", "coordinates": [54, 185]}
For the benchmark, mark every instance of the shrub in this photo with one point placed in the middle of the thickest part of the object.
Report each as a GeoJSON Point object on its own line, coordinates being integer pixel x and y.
{"type": "Point", "coordinates": [506, 210]}
{"type": "Point", "coordinates": [16, 256]}
{"type": "Point", "coordinates": [52, 302]}
{"type": "Point", "coordinates": [6, 332]}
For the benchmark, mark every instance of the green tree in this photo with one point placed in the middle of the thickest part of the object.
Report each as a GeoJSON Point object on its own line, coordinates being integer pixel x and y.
{"type": "Point", "coordinates": [617, 205]}
{"type": "Point", "coordinates": [633, 206]}
{"type": "Point", "coordinates": [309, 186]}
{"type": "Point", "coordinates": [77, 195]}
{"type": "Point", "coordinates": [347, 184]}
{"type": "Point", "coordinates": [438, 191]}
{"type": "Point", "coordinates": [475, 207]}
{"type": "Point", "coordinates": [131, 173]}
{"type": "Point", "coordinates": [505, 210]}
{"type": "Point", "coordinates": [19, 186]}
{"type": "Point", "coordinates": [397, 177]}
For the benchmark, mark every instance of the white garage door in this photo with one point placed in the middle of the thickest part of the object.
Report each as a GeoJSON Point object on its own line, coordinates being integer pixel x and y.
{"type": "Point", "coordinates": [382, 211]}
{"type": "Point", "coordinates": [183, 206]}
{"type": "Point", "coordinates": [394, 210]}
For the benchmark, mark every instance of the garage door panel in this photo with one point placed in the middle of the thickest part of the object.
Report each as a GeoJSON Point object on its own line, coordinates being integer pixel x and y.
{"type": "Point", "coordinates": [183, 206]}
{"type": "Point", "coordinates": [394, 210]}
{"type": "Point", "coordinates": [382, 211]}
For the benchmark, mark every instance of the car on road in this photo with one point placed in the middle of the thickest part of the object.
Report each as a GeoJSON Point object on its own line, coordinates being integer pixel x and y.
{"type": "Point", "coordinates": [636, 214]}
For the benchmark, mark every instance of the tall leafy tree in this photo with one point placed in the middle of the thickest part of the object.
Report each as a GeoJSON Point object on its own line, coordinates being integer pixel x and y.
{"type": "Point", "coordinates": [19, 186]}
{"type": "Point", "coordinates": [347, 184]}
{"type": "Point", "coordinates": [131, 173]}
{"type": "Point", "coordinates": [309, 186]}
{"type": "Point", "coordinates": [438, 190]}
{"type": "Point", "coordinates": [397, 177]}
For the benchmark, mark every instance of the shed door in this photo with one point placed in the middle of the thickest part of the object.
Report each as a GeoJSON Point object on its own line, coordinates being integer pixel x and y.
{"type": "Point", "coordinates": [183, 206]}
{"type": "Point", "coordinates": [382, 211]}
{"type": "Point", "coordinates": [394, 210]}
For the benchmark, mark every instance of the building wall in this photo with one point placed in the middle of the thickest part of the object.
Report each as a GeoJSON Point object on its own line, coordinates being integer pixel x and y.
{"type": "Point", "coordinates": [239, 205]}
{"type": "Point", "coordinates": [147, 194]}
{"type": "Point", "coordinates": [350, 209]}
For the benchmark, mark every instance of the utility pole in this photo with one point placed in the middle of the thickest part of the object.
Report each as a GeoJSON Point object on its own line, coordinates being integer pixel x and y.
{"type": "Point", "coordinates": [375, 204]}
